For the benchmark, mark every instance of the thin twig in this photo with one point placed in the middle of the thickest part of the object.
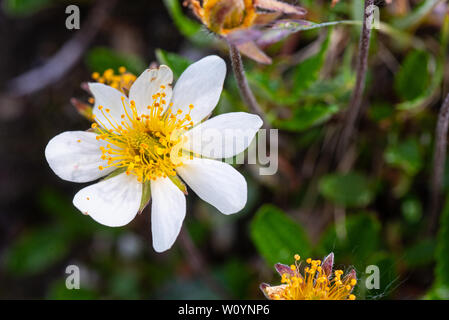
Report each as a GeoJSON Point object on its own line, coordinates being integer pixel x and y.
{"type": "Point", "coordinates": [197, 263]}
{"type": "Point", "coordinates": [242, 82]}
{"type": "Point", "coordinates": [439, 160]}
{"type": "Point", "coordinates": [66, 58]}
{"type": "Point", "coordinates": [355, 104]}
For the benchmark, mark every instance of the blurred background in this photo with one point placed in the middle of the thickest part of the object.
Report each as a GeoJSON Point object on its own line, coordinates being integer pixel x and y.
{"type": "Point", "coordinates": [372, 209]}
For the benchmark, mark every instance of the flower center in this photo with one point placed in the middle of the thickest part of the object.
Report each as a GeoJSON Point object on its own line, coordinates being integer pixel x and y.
{"type": "Point", "coordinates": [315, 284]}
{"type": "Point", "coordinates": [145, 145]}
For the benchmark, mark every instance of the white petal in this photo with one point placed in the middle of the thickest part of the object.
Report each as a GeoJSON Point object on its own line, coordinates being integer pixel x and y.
{"type": "Point", "coordinates": [113, 202]}
{"type": "Point", "coordinates": [223, 136]}
{"type": "Point", "coordinates": [148, 84]}
{"type": "Point", "coordinates": [110, 99]}
{"type": "Point", "coordinates": [215, 182]}
{"type": "Point", "coordinates": [75, 156]}
{"type": "Point", "coordinates": [201, 85]}
{"type": "Point", "coordinates": [168, 210]}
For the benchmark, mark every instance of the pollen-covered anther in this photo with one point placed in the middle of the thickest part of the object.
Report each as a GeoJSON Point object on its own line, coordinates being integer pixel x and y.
{"type": "Point", "coordinates": [142, 143]}
{"type": "Point", "coordinates": [312, 284]}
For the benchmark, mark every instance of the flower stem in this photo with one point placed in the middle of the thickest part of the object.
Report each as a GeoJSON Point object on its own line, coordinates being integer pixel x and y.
{"type": "Point", "coordinates": [353, 112]}
{"type": "Point", "coordinates": [439, 160]}
{"type": "Point", "coordinates": [242, 83]}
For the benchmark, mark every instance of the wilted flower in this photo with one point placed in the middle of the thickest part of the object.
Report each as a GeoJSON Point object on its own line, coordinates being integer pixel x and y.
{"type": "Point", "coordinates": [238, 20]}
{"type": "Point", "coordinates": [144, 137]}
{"type": "Point", "coordinates": [316, 281]}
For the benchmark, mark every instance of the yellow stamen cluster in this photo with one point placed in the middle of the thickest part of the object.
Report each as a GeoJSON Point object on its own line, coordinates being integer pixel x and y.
{"type": "Point", "coordinates": [314, 284]}
{"type": "Point", "coordinates": [225, 16]}
{"type": "Point", "coordinates": [145, 145]}
{"type": "Point", "coordinates": [121, 81]}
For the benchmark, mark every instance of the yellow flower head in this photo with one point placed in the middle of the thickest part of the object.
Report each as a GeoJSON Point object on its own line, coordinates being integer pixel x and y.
{"type": "Point", "coordinates": [225, 16]}
{"type": "Point", "coordinates": [314, 281]}
{"type": "Point", "coordinates": [232, 18]}
{"type": "Point", "coordinates": [121, 81]}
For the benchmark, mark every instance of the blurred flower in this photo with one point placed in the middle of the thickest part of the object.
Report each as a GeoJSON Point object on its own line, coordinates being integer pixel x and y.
{"type": "Point", "coordinates": [139, 142]}
{"type": "Point", "coordinates": [317, 281]}
{"type": "Point", "coordinates": [238, 20]}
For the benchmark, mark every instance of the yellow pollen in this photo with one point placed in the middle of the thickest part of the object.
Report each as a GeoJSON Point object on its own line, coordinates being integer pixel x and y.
{"type": "Point", "coordinates": [122, 81]}
{"type": "Point", "coordinates": [313, 284]}
{"type": "Point", "coordinates": [143, 144]}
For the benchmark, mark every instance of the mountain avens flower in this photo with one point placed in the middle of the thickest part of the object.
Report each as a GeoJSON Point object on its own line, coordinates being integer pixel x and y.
{"type": "Point", "coordinates": [145, 140]}
{"type": "Point", "coordinates": [235, 20]}
{"type": "Point", "coordinates": [314, 281]}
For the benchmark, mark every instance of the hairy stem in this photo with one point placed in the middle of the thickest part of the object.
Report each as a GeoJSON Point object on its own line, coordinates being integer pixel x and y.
{"type": "Point", "coordinates": [439, 160]}
{"type": "Point", "coordinates": [242, 82]}
{"type": "Point", "coordinates": [355, 104]}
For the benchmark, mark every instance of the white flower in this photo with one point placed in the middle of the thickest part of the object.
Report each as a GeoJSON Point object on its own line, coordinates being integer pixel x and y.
{"type": "Point", "coordinates": [143, 142]}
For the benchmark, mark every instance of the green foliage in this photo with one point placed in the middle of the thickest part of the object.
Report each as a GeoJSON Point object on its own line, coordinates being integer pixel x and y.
{"type": "Point", "coordinates": [413, 77]}
{"type": "Point", "coordinates": [36, 250]}
{"type": "Point", "coordinates": [277, 237]}
{"type": "Point", "coordinates": [306, 117]}
{"type": "Point", "coordinates": [25, 7]}
{"type": "Point", "coordinates": [405, 155]}
{"type": "Point", "coordinates": [176, 62]}
{"type": "Point", "coordinates": [421, 253]}
{"type": "Point", "coordinates": [307, 72]}
{"type": "Point", "coordinates": [187, 27]}
{"type": "Point", "coordinates": [417, 15]}
{"type": "Point", "coordinates": [100, 59]}
{"type": "Point", "coordinates": [58, 291]}
{"type": "Point", "coordinates": [347, 190]}
{"type": "Point", "coordinates": [235, 277]}
{"type": "Point", "coordinates": [361, 240]}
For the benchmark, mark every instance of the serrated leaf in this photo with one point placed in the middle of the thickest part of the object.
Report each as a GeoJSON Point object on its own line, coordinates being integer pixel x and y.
{"type": "Point", "coordinates": [347, 190]}
{"type": "Point", "coordinates": [277, 237]}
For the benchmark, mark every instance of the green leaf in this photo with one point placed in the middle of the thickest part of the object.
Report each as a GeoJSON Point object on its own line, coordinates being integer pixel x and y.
{"type": "Point", "coordinates": [25, 7]}
{"type": "Point", "coordinates": [362, 238]}
{"type": "Point", "coordinates": [411, 210]}
{"type": "Point", "coordinates": [306, 117]}
{"type": "Point", "coordinates": [100, 59]}
{"type": "Point", "coordinates": [176, 62]}
{"type": "Point", "coordinates": [347, 190]}
{"type": "Point", "coordinates": [413, 77]}
{"type": "Point", "coordinates": [307, 72]}
{"type": "Point", "coordinates": [277, 237]}
{"type": "Point", "coordinates": [405, 155]}
{"type": "Point", "coordinates": [36, 250]}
